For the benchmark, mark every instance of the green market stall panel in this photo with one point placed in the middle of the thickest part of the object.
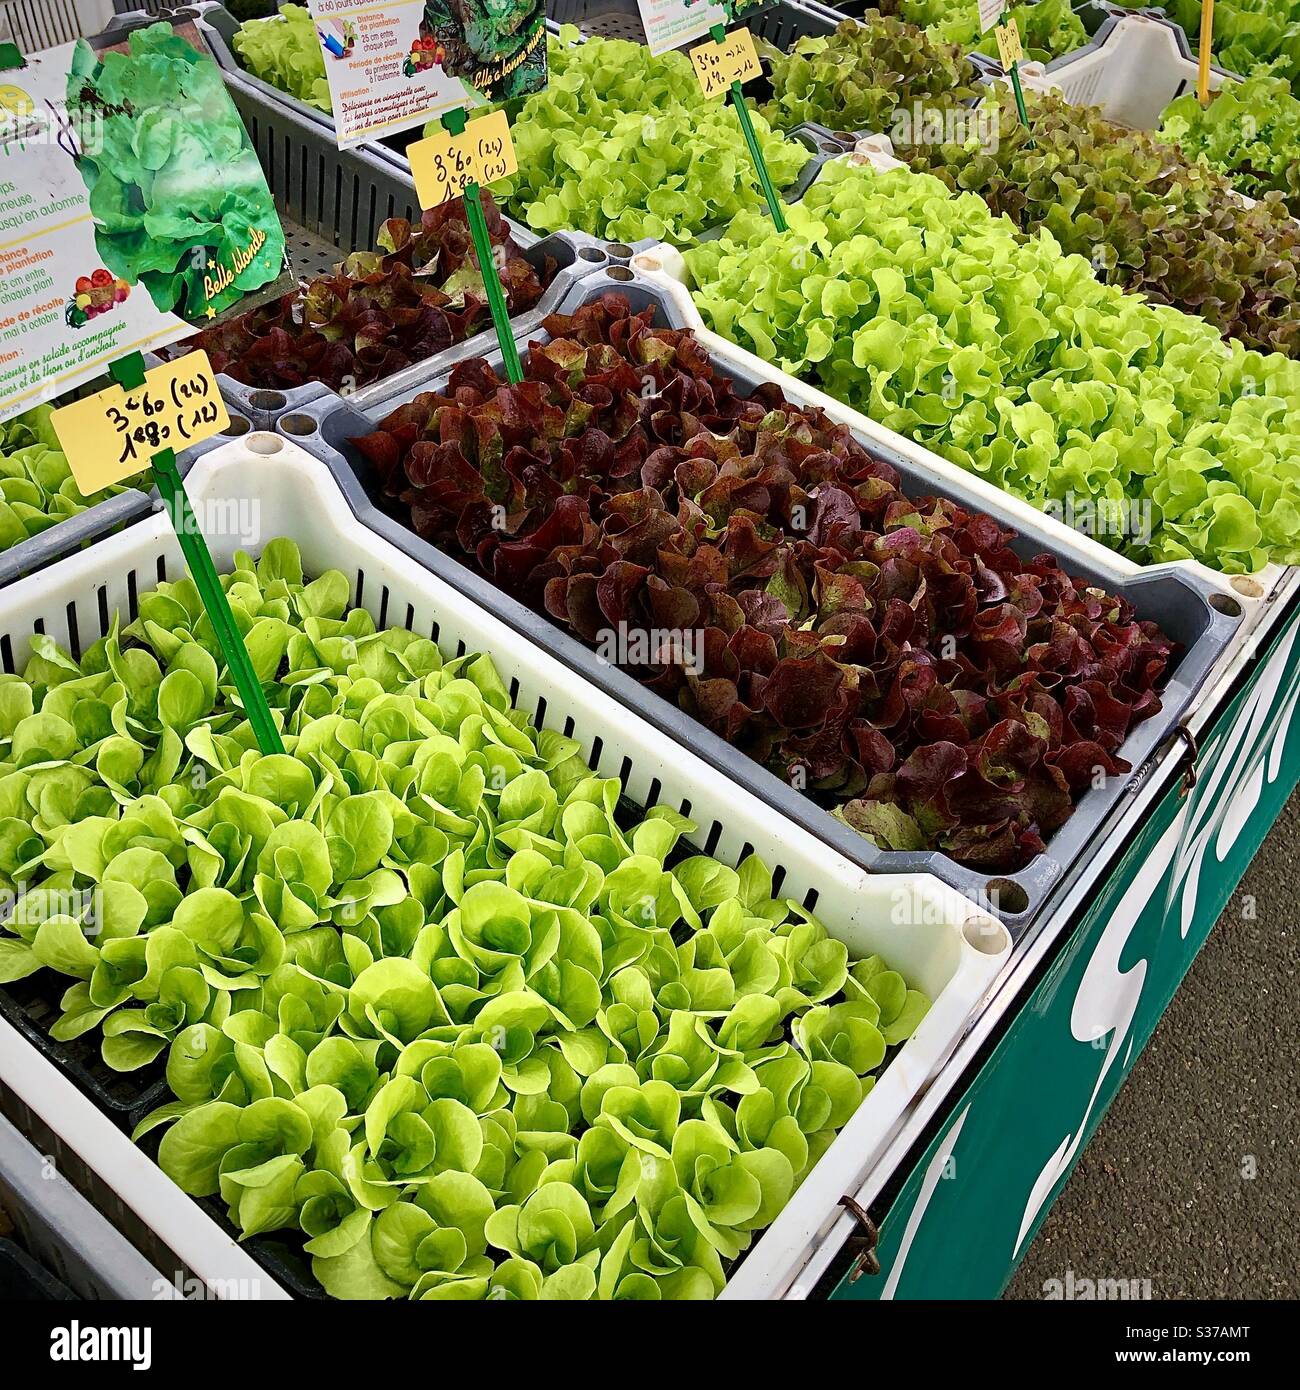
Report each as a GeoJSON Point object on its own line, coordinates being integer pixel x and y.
{"type": "Point", "coordinates": [1009, 1124]}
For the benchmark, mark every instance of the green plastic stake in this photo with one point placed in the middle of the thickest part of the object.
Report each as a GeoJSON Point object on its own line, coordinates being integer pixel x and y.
{"type": "Point", "coordinates": [1015, 77]}
{"type": "Point", "coordinates": [454, 122]}
{"type": "Point", "coordinates": [129, 374]}
{"type": "Point", "coordinates": [717, 33]}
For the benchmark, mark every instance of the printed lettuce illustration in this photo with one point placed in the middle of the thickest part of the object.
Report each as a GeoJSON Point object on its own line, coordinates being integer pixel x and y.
{"type": "Point", "coordinates": [1250, 133]}
{"type": "Point", "coordinates": [496, 46]}
{"type": "Point", "coordinates": [285, 51]}
{"type": "Point", "coordinates": [434, 1004]}
{"type": "Point", "coordinates": [36, 486]}
{"type": "Point", "coordinates": [1010, 358]}
{"type": "Point", "coordinates": [624, 145]}
{"type": "Point", "coordinates": [176, 190]}
{"type": "Point", "coordinates": [890, 655]}
{"type": "Point", "coordinates": [418, 292]}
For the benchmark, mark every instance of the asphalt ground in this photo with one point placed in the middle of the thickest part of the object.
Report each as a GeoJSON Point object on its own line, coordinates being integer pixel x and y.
{"type": "Point", "coordinates": [1192, 1180]}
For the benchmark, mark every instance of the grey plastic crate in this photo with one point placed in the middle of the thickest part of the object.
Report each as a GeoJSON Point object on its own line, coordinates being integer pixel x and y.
{"type": "Point", "coordinates": [1099, 18]}
{"type": "Point", "coordinates": [24, 1279]}
{"type": "Point", "coordinates": [62, 1231]}
{"type": "Point", "coordinates": [1191, 612]}
{"type": "Point", "coordinates": [219, 27]}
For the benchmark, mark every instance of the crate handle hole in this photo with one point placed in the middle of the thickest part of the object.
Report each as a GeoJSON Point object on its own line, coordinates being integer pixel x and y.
{"type": "Point", "coordinates": [985, 935]}
{"type": "Point", "coordinates": [263, 443]}
{"type": "Point", "coordinates": [1006, 895]}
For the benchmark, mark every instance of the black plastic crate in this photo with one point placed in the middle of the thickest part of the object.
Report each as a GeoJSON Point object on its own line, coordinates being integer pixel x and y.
{"type": "Point", "coordinates": [22, 1280]}
{"type": "Point", "coordinates": [781, 23]}
{"type": "Point", "coordinates": [32, 1007]}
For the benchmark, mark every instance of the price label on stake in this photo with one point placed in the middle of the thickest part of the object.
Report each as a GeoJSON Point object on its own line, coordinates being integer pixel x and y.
{"type": "Point", "coordinates": [444, 165]}
{"type": "Point", "coordinates": [718, 65]}
{"type": "Point", "coordinates": [112, 435]}
{"type": "Point", "coordinates": [1009, 47]}
{"type": "Point", "coordinates": [996, 14]}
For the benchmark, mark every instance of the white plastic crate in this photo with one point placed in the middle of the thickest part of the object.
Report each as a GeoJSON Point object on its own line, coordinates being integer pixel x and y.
{"type": "Point", "coordinates": [941, 942]}
{"type": "Point", "coordinates": [665, 266]}
{"type": "Point", "coordinates": [1132, 70]}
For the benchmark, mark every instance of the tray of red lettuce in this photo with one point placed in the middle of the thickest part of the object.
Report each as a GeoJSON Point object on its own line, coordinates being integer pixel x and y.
{"type": "Point", "coordinates": [910, 678]}
{"type": "Point", "coordinates": [413, 302]}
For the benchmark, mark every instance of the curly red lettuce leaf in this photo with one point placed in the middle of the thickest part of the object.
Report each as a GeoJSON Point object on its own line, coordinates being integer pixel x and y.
{"type": "Point", "coordinates": [418, 292]}
{"type": "Point", "coordinates": [753, 562]}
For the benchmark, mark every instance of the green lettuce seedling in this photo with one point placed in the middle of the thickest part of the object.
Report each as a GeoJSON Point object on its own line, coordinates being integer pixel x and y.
{"type": "Point", "coordinates": [37, 490]}
{"type": "Point", "coordinates": [1010, 358]}
{"type": "Point", "coordinates": [624, 145]}
{"type": "Point", "coordinates": [432, 1000]}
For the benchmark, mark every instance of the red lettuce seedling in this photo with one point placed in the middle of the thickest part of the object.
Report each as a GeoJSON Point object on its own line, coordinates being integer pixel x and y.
{"type": "Point", "coordinates": [752, 561]}
{"type": "Point", "coordinates": [419, 292]}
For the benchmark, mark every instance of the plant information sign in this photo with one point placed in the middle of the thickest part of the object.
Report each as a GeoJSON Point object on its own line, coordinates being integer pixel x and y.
{"type": "Point", "coordinates": [671, 23]}
{"type": "Point", "coordinates": [132, 206]}
{"type": "Point", "coordinates": [400, 63]}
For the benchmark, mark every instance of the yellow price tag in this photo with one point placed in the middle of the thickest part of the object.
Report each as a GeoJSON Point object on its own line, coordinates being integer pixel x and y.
{"type": "Point", "coordinates": [112, 435]}
{"type": "Point", "coordinates": [718, 65]}
{"type": "Point", "coordinates": [1009, 48]}
{"type": "Point", "coordinates": [445, 165]}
